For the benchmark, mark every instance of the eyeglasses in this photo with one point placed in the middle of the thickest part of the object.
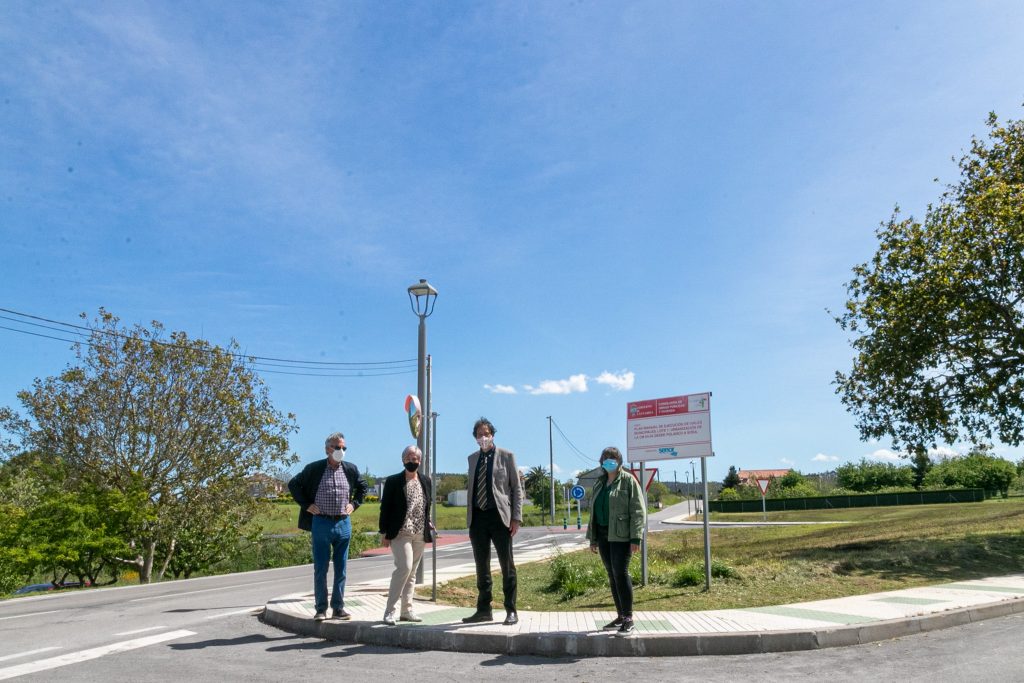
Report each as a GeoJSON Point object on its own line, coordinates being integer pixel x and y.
{"type": "Point", "coordinates": [339, 448]}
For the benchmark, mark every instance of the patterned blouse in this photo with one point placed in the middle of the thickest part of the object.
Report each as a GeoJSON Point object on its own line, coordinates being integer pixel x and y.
{"type": "Point", "coordinates": [414, 515]}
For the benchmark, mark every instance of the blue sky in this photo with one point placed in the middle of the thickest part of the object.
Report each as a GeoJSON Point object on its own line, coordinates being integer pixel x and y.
{"type": "Point", "coordinates": [635, 199]}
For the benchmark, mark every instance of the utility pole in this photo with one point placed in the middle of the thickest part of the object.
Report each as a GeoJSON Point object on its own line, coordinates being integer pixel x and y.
{"type": "Point", "coordinates": [551, 457]}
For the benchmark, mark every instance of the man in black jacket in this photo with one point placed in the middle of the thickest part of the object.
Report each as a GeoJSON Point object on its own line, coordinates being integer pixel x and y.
{"type": "Point", "coordinates": [328, 491]}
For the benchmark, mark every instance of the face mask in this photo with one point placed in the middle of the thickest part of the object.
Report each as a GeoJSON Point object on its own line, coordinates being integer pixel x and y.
{"type": "Point", "coordinates": [337, 455]}
{"type": "Point", "coordinates": [411, 466]}
{"type": "Point", "coordinates": [610, 465]}
{"type": "Point", "coordinates": [485, 442]}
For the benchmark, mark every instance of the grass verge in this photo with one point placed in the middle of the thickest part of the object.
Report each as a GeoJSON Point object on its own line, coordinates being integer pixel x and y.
{"type": "Point", "coordinates": [875, 549]}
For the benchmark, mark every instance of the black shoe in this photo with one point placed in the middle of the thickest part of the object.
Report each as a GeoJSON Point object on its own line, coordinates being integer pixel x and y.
{"type": "Point", "coordinates": [511, 619]}
{"type": "Point", "coordinates": [627, 628]}
{"type": "Point", "coordinates": [340, 614]}
{"type": "Point", "coordinates": [478, 617]}
{"type": "Point", "coordinates": [612, 625]}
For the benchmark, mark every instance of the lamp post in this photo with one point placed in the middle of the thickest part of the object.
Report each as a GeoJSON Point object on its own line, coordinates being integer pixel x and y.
{"type": "Point", "coordinates": [422, 297]}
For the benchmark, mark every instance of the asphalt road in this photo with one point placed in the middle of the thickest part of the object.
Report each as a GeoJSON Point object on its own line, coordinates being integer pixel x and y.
{"type": "Point", "coordinates": [206, 630]}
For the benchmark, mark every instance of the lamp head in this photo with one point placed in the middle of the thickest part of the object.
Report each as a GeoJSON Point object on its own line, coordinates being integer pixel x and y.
{"type": "Point", "coordinates": [422, 297]}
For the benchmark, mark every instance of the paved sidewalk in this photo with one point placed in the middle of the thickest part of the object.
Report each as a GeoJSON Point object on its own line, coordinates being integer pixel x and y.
{"type": "Point", "coordinates": [803, 626]}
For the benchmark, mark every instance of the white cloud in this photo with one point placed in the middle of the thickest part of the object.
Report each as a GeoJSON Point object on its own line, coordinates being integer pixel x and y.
{"type": "Point", "coordinates": [786, 461]}
{"type": "Point", "coordinates": [619, 382]}
{"type": "Point", "coordinates": [821, 457]}
{"type": "Point", "coordinates": [500, 388]}
{"type": "Point", "coordinates": [943, 453]}
{"type": "Point", "coordinates": [575, 383]}
{"type": "Point", "coordinates": [884, 454]}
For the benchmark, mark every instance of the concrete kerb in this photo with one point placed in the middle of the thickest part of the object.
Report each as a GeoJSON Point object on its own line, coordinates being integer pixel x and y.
{"type": "Point", "coordinates": [460, 638]}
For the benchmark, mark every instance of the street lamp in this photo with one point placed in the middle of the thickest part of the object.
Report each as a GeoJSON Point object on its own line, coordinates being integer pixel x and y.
{"type": "Point", "coordinates": [422, 297]}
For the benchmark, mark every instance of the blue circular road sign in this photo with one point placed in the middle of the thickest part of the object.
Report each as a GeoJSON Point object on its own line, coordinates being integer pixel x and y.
{"type": "Point", "coordinates": [577, 492]}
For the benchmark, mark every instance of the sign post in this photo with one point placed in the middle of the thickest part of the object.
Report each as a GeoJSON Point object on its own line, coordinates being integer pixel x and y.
{"type": "Point", "coordinates": [673, 428]}
{"type": "Point", "coordinates": [577, 492]}
{"type": "Point", "coordinates": [763, 485]}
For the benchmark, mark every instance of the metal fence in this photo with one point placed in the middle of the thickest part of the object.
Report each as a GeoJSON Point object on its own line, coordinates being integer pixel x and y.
{"type": "Point", "coordinates": [857, 501]}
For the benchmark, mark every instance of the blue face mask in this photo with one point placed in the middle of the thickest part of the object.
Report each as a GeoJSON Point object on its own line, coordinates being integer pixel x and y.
{"type": "Point", "coordinates": [610, 465]}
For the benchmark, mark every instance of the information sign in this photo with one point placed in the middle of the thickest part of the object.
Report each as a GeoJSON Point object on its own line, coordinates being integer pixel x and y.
{"type": "Point", "coordinates": [677, 427]}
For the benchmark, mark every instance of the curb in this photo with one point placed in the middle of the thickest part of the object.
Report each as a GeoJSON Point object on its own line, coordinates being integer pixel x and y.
{"type": "Point", "coordinates": [460, 638]}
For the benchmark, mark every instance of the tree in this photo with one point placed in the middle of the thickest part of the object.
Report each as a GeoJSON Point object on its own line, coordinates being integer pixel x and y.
{"type": "Point", "coordinates": [978, 469]}
{"type": "Point", "coordinates": [174, 422]}
{"type": "Point", "coordinates": [450, 482]}
{"type": "Point", "coordinates": [732, 478]}
{"type": "Point", "coordinates": [938, 312]}
{"type": "Point", "coordinates": [657, 491]}
{"type": "Point", "coordinates": [537, 485]}
{"type": "Point", "coordinates": [867, 476]}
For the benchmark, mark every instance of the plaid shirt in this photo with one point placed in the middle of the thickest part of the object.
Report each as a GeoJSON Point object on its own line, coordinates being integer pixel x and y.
{"type": "Point", "coordinates": [332, 495]}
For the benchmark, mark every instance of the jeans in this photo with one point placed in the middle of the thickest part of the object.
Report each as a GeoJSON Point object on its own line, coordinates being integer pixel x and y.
{"type": "Point", "coordinates": [487, 527]}
{"type": "Point", "coordinates": [329, 536]}
{"type": "Point", "coordinates": [616, 556]}
{"type": "Point", "coordinates": [407, 550]}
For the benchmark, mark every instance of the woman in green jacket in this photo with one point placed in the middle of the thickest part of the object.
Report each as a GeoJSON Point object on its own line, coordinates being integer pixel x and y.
{"type": "Point", "coordinates": [618, 515]}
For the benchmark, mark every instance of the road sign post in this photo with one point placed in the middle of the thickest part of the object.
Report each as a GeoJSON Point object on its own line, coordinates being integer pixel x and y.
{"type": "Point", "coordinates": [763, 485]}
{"type": "Point", "coordinates": [576, 492]}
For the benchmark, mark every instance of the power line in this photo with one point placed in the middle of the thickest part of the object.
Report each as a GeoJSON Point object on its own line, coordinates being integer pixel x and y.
{"type": "Point", "coordinates": [401, 364]}
{"type": "Point", "coordinates": [323, 372]}
{"type": "Point", "coordinates": [578, 453]}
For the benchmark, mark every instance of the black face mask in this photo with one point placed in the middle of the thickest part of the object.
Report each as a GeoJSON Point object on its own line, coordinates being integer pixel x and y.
{"type": "Point", "coordinates": [412, 466]}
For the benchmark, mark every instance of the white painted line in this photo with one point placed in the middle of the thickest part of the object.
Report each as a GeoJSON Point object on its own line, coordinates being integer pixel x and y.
{"type": "Point", "coordinates": [172, 596]}
{"type": "Point", "coordinates": [29, 652]}
{"type": "Point", "coordinates": [247, 610]}
{"type": "Point", "coordinates": [86, 655]}
{"type": "Point", "coordinates": [33, 614]}
{"type": "Point", "coordinates": [139, 630]}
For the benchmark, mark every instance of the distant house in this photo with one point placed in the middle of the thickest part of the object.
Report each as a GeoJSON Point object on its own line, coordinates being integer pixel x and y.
{"type": "Point", "coordinates": [264, 486]}
{"type": "Point", "coordinates": [750, 477]}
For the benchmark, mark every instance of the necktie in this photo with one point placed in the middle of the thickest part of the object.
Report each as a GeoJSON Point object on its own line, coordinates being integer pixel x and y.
{"type": "Point", "coordinates": [481, 482]}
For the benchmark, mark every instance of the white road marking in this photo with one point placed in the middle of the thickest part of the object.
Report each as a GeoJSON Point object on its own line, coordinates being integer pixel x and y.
{"type": "Point", "coordinates": [34, 614]}
{"type": "Point", "coordinates": [86, 655]}
{"type": "Point", "coordinates": [139, 630]}
{"type": "Point", "coordinates": [29, 652]}
{"type": "Point", "coordinates": [247, 610]}
{"type": "Point", "coordinates": [171, 596]}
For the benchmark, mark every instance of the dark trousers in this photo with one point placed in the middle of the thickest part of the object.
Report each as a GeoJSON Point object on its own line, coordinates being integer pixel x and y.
{"type": "Point", "coordinates": [485, 529]}
{"type": "Point", "coordinates": [616, 556]}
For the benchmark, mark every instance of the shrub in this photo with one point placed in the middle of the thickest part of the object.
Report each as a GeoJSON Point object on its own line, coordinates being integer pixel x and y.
{"type": "Point", "coordinates": [689, 574]}
{"type": "Point", "coordinates": [574, 575]}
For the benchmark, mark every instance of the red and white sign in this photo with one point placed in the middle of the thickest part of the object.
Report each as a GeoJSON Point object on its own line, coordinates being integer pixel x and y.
{"type": "Point", "coordinates": [677, 427]}
{"type": "Point", "coordinates": [763, 485]}
{"type": "Point", "coordinates": [648, 476]}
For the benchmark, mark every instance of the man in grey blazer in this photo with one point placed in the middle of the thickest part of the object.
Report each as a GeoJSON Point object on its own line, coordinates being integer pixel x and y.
{"type": "Point", "coordinates": [494, 512]}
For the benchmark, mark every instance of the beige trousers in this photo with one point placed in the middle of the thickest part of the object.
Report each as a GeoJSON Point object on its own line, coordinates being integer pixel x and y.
{"type": "Point", "coordinates": [407, 549]}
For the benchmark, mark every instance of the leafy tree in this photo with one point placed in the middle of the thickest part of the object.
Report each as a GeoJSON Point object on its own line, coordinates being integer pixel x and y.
{"type": "Point", "coordinates": [732, 478]}
{"type": "Point", "coordinates": [80, 533]}
{"type": "Point", "coordinates": [171, 421]}
{"type": "Point", "coordinates": [938, 313]}
{"type": "Point", "coordinates": [16, 565]}
{"type": "Point", "coordinates": [657, 491]}
{"type": "Point", "coordinates": [868, 476]}
{"type": "Point", "coordinates": [978, 469]}
{"type": "Point", "coordinates": [537, 486]}
{"type": "Point", "coordinates": [451, 482]}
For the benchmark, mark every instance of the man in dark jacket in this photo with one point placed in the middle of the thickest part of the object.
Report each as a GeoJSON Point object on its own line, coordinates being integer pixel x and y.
{"type": "Point", "coordinates": [328, 491]}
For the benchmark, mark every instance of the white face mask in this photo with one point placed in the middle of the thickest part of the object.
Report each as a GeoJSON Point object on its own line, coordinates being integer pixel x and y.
{"type": "Point", "coordinates": [485, 442]}
{"type": "Point", "coordinates": [337, 455]}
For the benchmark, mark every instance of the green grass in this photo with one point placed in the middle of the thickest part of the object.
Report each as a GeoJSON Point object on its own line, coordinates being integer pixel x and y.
{"type": "Point", "coordinates": [876, 549]}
